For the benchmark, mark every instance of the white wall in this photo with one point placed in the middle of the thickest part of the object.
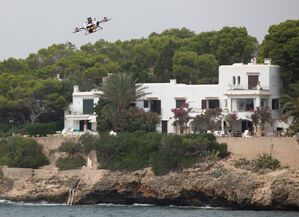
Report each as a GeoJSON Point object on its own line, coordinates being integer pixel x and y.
{"type": "Point", "coordinates": [169, 92]}
{"type": "Point", "coordinates": [75, 110]}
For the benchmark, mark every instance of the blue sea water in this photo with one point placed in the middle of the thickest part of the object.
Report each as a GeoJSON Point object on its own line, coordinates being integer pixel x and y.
{"type": "Point", "coordinates": [8, 209]}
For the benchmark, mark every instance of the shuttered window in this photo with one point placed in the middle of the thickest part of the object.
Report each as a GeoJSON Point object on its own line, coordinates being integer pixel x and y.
{"type": "Point", "coordinates": [252, 81]}
{"type": "Point", "coordinates": [203, 104]}
{"type": "Point", "coordinates": [88, 106]}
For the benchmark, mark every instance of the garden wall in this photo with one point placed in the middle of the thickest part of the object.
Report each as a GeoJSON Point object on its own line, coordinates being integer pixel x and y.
{"type": "Point", "coordinates": [53, 142]}
{"type": "Point", "coordinates": [285, 149]}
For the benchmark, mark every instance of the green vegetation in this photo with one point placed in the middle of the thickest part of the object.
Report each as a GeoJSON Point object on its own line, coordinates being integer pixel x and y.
{"type": "Point", "coordinates": [70, 147]}
{"type": "Point", "coordinates": [29, 92]}
{"type": "Point", "coordinates": [266, 161]}
{"type": "Point", "coordinates": [21, 152]}
{"type": "Point", "coordinates": [43, 129]}
{"type": "Point", "coordinates": [75, 155]}
{"type": "Point", "coordinates": [132, 151]}
{"type": "Point", "coordinates": [117, 110]}
{"type": "Point", "coordinates": [281, 44]}
{"type": "Point", "coordinates": [31, 129]}
{"type": "Point", "coordinates": [71, 162]}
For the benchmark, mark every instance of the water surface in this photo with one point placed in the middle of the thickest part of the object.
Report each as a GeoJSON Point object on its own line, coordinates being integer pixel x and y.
{"type": "Point", "coordinates": [109, 210]}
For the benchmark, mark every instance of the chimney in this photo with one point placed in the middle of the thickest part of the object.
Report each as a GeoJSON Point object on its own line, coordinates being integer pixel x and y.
{"type": "Point", "coordinates": [76, 88]}
{"type": "Point", "coordinates": [253, 60]}
{"type": "Point", "coordinates": [267, 61]}
{"type": "Point", "coordinates": [172, 81]}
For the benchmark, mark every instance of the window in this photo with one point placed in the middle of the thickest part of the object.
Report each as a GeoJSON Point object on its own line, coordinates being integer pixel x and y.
{"type": "Point", "coordinates": [245, 105]}
{"type": "Point", "coordinates": [210, 103]}
{"type": "Point", "coordinates": [88, 106]}
{"type": "Point", "coordinates": [264, 103]}
{"type": "Point", "coordinates": [145, 104]}
{"type": "Point", "coordinates": [203, 104]}
{"type": "Point", "coordinates": [214, 103]}
{"type": "Point", "coordinates": [179, 102]}
{"type": "Point", "coordinates": [234, 80]}
{"type": "Point", "coordinates": [252, 81]}
{"type": "Point", "coordinates": [155, 106]}
{"type": "Point", "coordinates": [275, 104]}
{"type": "Point", "coordinates": [239, 80]}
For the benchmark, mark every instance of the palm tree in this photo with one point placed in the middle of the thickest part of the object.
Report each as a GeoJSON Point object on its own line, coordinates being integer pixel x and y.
{"type": "Point", "coordinates": [290, 102]}
{"type": "Point", "coordinates": [120, 91]}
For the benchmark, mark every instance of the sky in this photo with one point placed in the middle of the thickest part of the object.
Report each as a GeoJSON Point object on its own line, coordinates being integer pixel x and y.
{"type": "Point", "coordinates": [29, 25]}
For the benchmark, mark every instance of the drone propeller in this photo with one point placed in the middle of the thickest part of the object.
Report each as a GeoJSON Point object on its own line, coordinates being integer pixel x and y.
{"type": "Point", "coordinates": [105, 19]}
{"type": "Point", "coordinates": [78, 29]}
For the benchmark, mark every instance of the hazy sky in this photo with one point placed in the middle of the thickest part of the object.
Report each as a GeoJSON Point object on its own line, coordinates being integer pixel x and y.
{"type": "Point", "coordinates": [28, 25]}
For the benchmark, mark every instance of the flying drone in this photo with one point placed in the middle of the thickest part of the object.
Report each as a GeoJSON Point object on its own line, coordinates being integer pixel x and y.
{"type": "Point", "coordinates": [91, 25]}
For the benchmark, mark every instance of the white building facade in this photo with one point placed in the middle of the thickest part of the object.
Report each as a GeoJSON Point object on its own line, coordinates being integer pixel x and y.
{"type": "Point", "coordinates": [242, 88]}
{"type": "Point", "coordinates": [80, 115]}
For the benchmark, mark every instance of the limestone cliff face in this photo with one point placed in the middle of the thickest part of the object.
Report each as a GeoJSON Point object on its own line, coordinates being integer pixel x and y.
{"type": "Point", "coordinates": [218, 184]}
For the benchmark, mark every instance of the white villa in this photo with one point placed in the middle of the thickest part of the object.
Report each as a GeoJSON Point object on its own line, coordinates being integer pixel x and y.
{"type": "Point", "coordinates": [80, 116]}
{"type": "Point", "coordinates": [241, 88]}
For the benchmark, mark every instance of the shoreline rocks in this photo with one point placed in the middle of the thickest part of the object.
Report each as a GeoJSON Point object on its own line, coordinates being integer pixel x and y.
{"type": "Point", "coordinates": [219, 185]}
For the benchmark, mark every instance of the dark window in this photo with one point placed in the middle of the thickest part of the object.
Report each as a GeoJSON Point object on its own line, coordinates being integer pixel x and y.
{"type": "Point", "coordinates": [145, 104]}
{"type": "Point", "coordinates": [239, 80]}
{"type": "Point", "coordinates": [252, 81]}
{"type": "Point", "coordinates": [155, 106]}
{"type": "Point", "coordinates": [203, 104]}
{"type": "Point", "coordinates": [275, 104]}
{"type": "Point", "coordinates": [245, 105]}
{"type": "Point", "coordinates": [164, 127]}
{"type": "Point", "coordinates": [234, 80]}
{"type": "Point", "coordinates": [82, 123]}
{"type": "Point", "coordinates": [88, 106]}
{"type": "Point", "coordinates": [179, 102]}
{"type": "Point", "coordinates": [213, 103]}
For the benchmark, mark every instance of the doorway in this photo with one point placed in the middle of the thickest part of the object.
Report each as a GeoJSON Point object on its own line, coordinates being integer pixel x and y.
{"type": "Point", "coordinates": [164, 127]}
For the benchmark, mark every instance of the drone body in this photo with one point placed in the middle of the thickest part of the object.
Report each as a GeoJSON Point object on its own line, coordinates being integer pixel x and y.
{"type": "Point", "coordinates": [91, 25]}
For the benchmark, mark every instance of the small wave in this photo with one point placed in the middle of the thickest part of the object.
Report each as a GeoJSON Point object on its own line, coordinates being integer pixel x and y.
{"type": "Point", "coordinates": [197, 207]}
{"type": "Point", "coordinates": [42, 203]}
{"type": "Point", "coordinates": [134, 204]}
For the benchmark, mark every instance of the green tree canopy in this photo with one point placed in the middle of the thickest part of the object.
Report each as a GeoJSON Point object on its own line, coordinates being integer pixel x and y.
{"type": "Point", "coordinates": [281, 44]}
{"type": "Point", "coordinates": [119, 92]}
{"type": "Point", "coordinates": [21, 152]}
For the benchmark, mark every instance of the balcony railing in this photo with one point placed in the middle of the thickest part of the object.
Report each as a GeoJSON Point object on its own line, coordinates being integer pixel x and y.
{"type": "Point", "coordinates": [245, 87]}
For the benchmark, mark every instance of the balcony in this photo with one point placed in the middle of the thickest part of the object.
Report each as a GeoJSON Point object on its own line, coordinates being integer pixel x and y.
{"type": "Point", "coordinates": [240, 90]}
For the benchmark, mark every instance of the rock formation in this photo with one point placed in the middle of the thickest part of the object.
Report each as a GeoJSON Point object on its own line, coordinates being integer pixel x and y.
{"type": "Point", "coordinates": [217, 184]}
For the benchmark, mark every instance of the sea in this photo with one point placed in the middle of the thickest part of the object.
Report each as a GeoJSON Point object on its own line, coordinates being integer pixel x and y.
{"type": "Point", "coordinates": [11, 209]}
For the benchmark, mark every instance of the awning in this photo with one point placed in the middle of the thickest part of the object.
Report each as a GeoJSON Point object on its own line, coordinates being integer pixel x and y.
{"type": "Point", "coordinates": [92, 119]}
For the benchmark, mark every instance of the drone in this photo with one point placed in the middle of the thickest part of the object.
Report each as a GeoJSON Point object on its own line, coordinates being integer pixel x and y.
{"type": "Point", "coordinates": [91, 25]}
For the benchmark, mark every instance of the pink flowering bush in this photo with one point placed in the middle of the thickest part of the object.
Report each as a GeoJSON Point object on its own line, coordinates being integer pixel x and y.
{"type": "Point", "coordinates": [181, 116]}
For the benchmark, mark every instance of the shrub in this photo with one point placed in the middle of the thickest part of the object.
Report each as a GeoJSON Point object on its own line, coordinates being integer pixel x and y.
{"type": "Point", "coordinates": [266, 161]}
{"type": "Point", "coordinates": [42, 129]}
{"type": "Point", "coordinates": [137, 119]}
{"type": "Point", "coordinates": [132, 151]}
{"type": "Point", "coordinates": [69, 163]}
{"type": "Point", "coordinates": [70, 147]}
{"type": "Point", "coordinates": [220, 148]}
{"type": "Point", "coordinates": [87, 142]}
{"type": "Point", "coordinates": [241, 163]}
{"type": "Point", "coordinates": [129, 151]}
{"type": "Point", "coordinates": [21, 152]}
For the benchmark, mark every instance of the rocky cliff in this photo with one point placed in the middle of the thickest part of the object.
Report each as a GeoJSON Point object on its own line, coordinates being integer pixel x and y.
{"type": "Point", "coordinates": [213, 184]}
